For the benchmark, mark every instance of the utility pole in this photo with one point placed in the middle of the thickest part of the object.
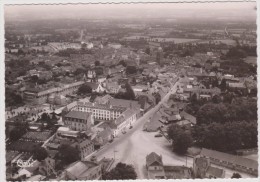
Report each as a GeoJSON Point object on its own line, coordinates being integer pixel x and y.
{"type": "Point", "coordinates": [115, 154]}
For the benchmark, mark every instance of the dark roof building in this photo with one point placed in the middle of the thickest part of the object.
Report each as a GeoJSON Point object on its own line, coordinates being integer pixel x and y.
{"type": "Point", "coordinates": [78, 115]}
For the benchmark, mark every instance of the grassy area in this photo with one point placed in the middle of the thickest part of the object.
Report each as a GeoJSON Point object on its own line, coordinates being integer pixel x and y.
{"type": "Point", "coordinates": [251, 60]}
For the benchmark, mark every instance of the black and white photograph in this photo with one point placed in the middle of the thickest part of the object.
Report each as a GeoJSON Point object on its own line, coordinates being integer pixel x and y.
{"type": "Point", "coordinates": [130, 91]}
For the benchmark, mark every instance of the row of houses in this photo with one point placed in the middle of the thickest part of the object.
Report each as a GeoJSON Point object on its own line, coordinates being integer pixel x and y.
{"type": "Point", "coordinates": [40, 96]}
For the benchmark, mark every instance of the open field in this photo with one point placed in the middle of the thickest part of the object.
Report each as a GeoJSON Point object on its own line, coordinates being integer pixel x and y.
{"type": "Point", "coordinates": [251, 60]}
{"type": "Point", "coordinates": [224, 41]}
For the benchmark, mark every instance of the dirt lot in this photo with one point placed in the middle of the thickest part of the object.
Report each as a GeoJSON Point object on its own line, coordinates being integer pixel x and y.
{"type": "Point", "coordinates": [139, 145]}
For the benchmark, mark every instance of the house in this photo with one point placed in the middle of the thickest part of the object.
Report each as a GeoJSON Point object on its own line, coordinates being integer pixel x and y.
{"type": "Point", "coordinates": [154, 123]}
{"type": "Point", "coordinates": [27, 171]}
{"type": "Point", "coordinates": [231, 161]}
{"type": "Point", "coordinates": [138, 89]}
{"type": "Point", "coordinates": [40, 95]}
{"type": "Point", "coordinates": [124, 103]}
{"type": "Point", "coordinates": [202, 168]}
{"type": "Point", "coordinates": [156, 169]}
{"type": "Point", "coordinates": [236, 86]}
{"type": "Point", "coordinates": [96, 87]}
{"type": "Point", "coordinates": [115, 45]}
{"type": "Point", "coordinates": [154, 166]}
{"type": "Point", "coordinates": [37, 177]}
{"type": "Point", "coordinates": [103, 99]}
{"type": "Point", "coordinates": [104, 133]}
{"type": "Point", "coordinates": [154, 46]}
{"type": "Point", "coordinates": [83, 170]}
{"type": "Point", "coordinates": [47, 166]}
{"type": "Point", "coordinates": [112, 87]}
{"type": "Point", "coordinates": [86, 147]}
{"type": "Point", "coordinates": [65, 131]}
{"type": "Point", "coordinates": [146, 102]}
{"type": "Point", "coordinates": [104, 111]}
{"type": "Point", "coordinates": [126, 120]}
{"type": "Point", "coordinates": [79, 121]}
{"type": "Point", "coordinates": [177, 172]}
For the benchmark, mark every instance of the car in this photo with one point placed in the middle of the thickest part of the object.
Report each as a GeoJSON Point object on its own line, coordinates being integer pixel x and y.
{"type": "Point", "coordinates": [158, 135]}
{"type": "Point", "coordinates": [131, 127]}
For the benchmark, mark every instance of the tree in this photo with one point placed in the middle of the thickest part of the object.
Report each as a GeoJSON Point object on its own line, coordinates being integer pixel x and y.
{"type": "Point", "coordinates": [193, 98]}
{"type": "Point", "coordinates": [181, 139]}
{"type": "Point", "coordinates": [40, 153]}
{"type": "Point", "coordinates": [236, 52]}
{"type": "Point", "coordinates": [147, 50]}
{"type": "Point", "coordinates": [182, 142]}
{"type": "Point", "coordinates": [216, 99]}
{"type": "Point", "coordinates": [173, 131]}
{"type": "Point", "coordinates": [131, 70]}
{"type": "Point", "coordinates": [157, 97]}
{"type": "Point", "coordinates": [236, 175]}
{"type": "Point", "coordinates": [15, 134]}
{"type": "Point", "coordinates": [223, 84]}
{"type": "Point", "coordinates": [84, 89]}
{"type": "Point", "coordinates": [121, 172]}
{"type": "Point", "coordinates": [18, 131]}
{"type": "Point", "coordinates": [68, 154]}
{"type": "Point", "coordinates": [79, 71]}
{"type": "Point", "coordinates": [12, 98]}
{"type": "Point", "coordinates": [129, 95]}
{"type": "Point", "coordinates": [45, 117]}
{"type": "Point", "coordinates": [122, 62]}
{"type": "Point", "coordinates": [34, 78]}
{"type": "Point", "coordinates": [97, 63]}
{"type": "Point", "coordinates": [211, 112]}
{"type": "Point", "coordinates": [237, 135]}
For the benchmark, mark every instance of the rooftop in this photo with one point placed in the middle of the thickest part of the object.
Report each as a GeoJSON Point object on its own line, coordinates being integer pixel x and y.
{"type": "Point", "coordinates": [249, 163]}
{"type": "Point", "coordinates": [216, 172]}
{"type": "Point", "coordinates": [37, 136]}
{"type": "Point", "coordinates": [81, 169]}
{"type": "Point", "coordinates": [78, 115]}
{"type": "Point", "coordinates": [153, 157]}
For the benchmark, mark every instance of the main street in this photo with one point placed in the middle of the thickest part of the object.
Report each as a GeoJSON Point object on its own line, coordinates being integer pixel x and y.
{"type": "Point", "coordinates": [133, 146]}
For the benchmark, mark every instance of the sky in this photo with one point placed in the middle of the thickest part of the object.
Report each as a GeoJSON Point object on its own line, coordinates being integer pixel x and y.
{"type": "Point", "coordinates": [152, 10]}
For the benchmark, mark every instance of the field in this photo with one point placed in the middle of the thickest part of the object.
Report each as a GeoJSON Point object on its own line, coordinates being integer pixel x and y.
{"type": "Point", "coordinates": [176, 40]}
{"type": "Point", "coordinates": [251, 60]}
{"type": "Point", "coordinates": [224, 41]}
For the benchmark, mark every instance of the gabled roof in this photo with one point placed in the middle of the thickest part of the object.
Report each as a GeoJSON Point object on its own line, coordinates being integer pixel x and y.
{"type": "Point", "coordinates": [237, 160]}
{"type": "Point", "coordinates": [124, 103]}
{"type": "Point", "coordinates": [78, 115]}
{"type": "Point", "coordinates": [153, 157]}
{"type": "Point", "coordinates": [81, 169]}
{"type": "Point", "coordinates": [216, 172]}
{"type": "Point", "coordinates": [105, 133]}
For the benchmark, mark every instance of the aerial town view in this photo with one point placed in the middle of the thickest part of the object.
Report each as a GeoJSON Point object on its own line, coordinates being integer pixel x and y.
{"type": "Point", "coordinates": [131, 91]}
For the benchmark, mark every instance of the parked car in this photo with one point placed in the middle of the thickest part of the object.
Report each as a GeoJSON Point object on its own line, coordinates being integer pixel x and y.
{"type": "Point", "coordinates": [131, 127]}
